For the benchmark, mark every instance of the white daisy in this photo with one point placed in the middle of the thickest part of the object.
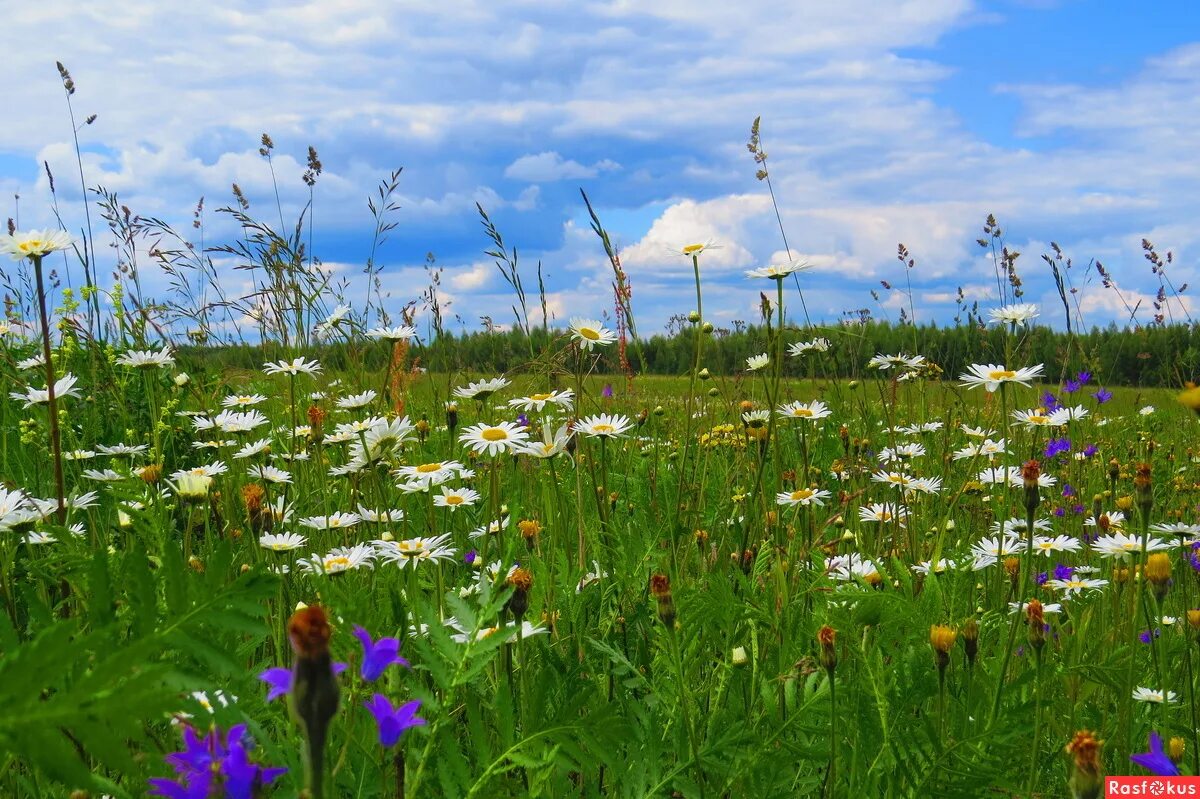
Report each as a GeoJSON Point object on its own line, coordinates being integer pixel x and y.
{"type": "Point", "coordinates": [497, 439]}
{"type": "Point", "coordinates": [589, 333]}
{"type": "Point", "coordinates": [990, 375]}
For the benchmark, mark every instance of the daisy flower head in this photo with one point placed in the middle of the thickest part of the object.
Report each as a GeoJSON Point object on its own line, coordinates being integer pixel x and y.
{"type": "Point", "coordinates": [603, 426]}
{"type": "Point", "coordinates": [538, 402]}
{"type": "Point", "coordinates": [694, 250]}
{"type": "Point", "coordinates": [1014, 314]}
{"type": "Point", "coordinates": [801, 347]}
{"type": "Point", "coordinates": [802, 496]}
{"type": "Point", "coordinates": [554, 442]}
{"type": "Point", "coordinates": [882, 512]}
{"type": "Point", "coordinates": [145, 359]}
{"type": "Point", "coordinates": [293, 367]}
{"type": "Point", "coordinates": [455, 498]}
{"type": "Point", "coordinates": [339, 560]}
{"type": "Point", "coordinates": [590, 333]}
{"type": "Point", "coordinates": [901, 361]}
{"type": "Point", "coordinates": [63, 387]}
{"type": "Point", "coordinates": [1120, 545]}
{"type": "Point", "coordinates": [354, 401]}
{"type": "Point", "coordinates": [1072, 586]}
{"type": "Point", "coordinates": [334, 521]}
{"type": "Point", "coordinates": [400, 333]}
{"type": "Point", "coordinates": [1145, 410]}
{"type": "Point", "coordinates": [756, 362]}
{"type": "Point", "coordinates": [34, 243]}
{"type": "Point", "coordinates": [436, 472]}
{"type": "Point", "coordinates": [497, 439]}
{"type": "Point", "coordinates": [242, 400]}
{"type": "Point", "coordinates": [777, 271]}
{"type": "Point", "coordinates": [1040, 417]}
{"type": "Point", "coordinates": [991, 375]}
{"type": "Point", "coordinates": [1154, 696]}
{"type": "Point", "coordinates": [281, 542]}
{"type": "Point", "coordinates": [811, 411]}
{"type": "Point", "coordinates": [481, 389]}
{"type": "Point", "coordinates": [415, 551]}
{"type": "Point", "coordinates": [1048, 545]}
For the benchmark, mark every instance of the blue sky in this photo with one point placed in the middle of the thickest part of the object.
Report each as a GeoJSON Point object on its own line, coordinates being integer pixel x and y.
{"type": "Point", "coordinates": [909, 122]}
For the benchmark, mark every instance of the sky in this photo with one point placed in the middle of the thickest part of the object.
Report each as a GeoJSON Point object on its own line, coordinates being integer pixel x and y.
{"type": "Point", "coordinates": [1072, 122]}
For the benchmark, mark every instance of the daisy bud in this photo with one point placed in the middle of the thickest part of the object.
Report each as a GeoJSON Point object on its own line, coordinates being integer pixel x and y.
{"type": "Point", "coordinates": [714, 392]}
{"type": "Point", "coordinates": [1114, 472]}
{"type": "Point", "coordinates": [701, 537]}
{"type": "Point", "coordinates": [659, 410]}
{"type": "Point", "coordinates": [826, 637]}
{"type": "Point", "coordinates": [452, 417]}
{"type": "Point", "coordinates": [423, 429]}
{"type": "Point", "coordinates": [693, 316]}
{"type": "Point", "coordinates": [970, 639]}
{"type": "Point", "coordinates": [1158, 572]}
{"type": "Point", "coordinates": [707, 327]}
{"type": "Point", "coordinates": [703, 374]}
{"type": "Point", "coordinates": [660, 589]}
{"type": "Point", "coordinates": [182, 379]}
{"type": "Point", "coordinates": [1086, 782]}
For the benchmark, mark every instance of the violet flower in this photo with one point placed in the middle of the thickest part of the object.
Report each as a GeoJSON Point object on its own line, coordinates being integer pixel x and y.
{"type": "Point", "coordinates": [377, 655]}
{"type": "Point", "coordinates": [1102, 396]}
{"type": "Point", "coordinates": [210, 764]}
{"type": "Point", "coordinates": [280, 679]}
{"type": "Point", "coordinates": [393, 720]}
{"type": "Point", "coordinates": [1156, 760]}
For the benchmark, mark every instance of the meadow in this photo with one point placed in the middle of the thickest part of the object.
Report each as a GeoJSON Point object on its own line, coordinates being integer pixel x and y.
{"type": "Point", "coordinates": [822, 571]}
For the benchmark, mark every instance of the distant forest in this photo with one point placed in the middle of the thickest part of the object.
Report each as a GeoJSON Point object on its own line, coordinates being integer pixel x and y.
{"type": "Point", "coordinates": [1156, 355]}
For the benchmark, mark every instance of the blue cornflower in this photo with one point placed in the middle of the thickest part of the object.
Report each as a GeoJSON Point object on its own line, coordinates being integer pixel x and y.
{"type": "Point", "coordinates": [523, 420]}
{"type": "Point", "coordinates": [470, 557]}
{"type": "Point", "coordinates": [1060, 512]}
{"type": "Point", "coordinates": [1156, 760]}
{"type": "Point", "coordinates": [1063, 572]}
{"type": "Point", "coordinates": [1102, 395]}
{"type": "Point", "coordinates": [1146, 636]}
{"type": "Point", "coordinates": [1090, 450]}
{"type": "Point", "coordinates": [1068, 490]}
{"type": "Point", "coordinates": [1083, 377]}
{"type": "Point", "coordinates": [1071, 386]}
{"type": "Point", "coordinates": [1042, 577]}
{"type": "Point", "coordinates": [1050, 402]}
{"type": "Point", "coordinates": [377, 655]}
{"type": "Point", "coordinates": [393, 720]}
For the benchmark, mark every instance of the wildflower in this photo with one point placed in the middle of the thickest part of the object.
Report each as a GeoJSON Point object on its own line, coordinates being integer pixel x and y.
{"type": "Point", "coordinates": [1102, 395]}
{"type": "Point", "coordinates": [494, 439]}
{"type": "Point", "coordinates": [590, 333]}
{"type": "Point", "coordinates": [756, 362]}
{"type": "Point", "coordinates": [1156, 761]}
{"type": "Point", "coordinates": [603, 426]}
{"type": "Point", "coordinates": [801, 347]}
{"type": "Point", "coordinates": [538, 402]}
{"type": "Point", "coordinates": [1037, 624]}
{"type": "Point", "coordinates": [1057, 446]}
{"type": "Point", "coordinates": [377, 655]}
{"type": "Point", "coordinates": [810, 411]}
{"type": "Point", "coordinates": [1154, 696]}
{"type": "Point", "coordinates": [777, 271]}
{"type": "Point", "coordinates": [391, 720]}
{"type": "Point", "coordinates": [1041, 417]}
{"type": "Point", "coordinates": [1120, 545]}
{"type": "Point", "coordinates": [334, 521]}
{"type": "Point", "coordinates": [354, 401]}
{"type": "Point", "coordinates": [883, 513]}
{"type": "Point", "coordinates": [293, 367]}
{"type": "Point", "coordinates": [802, 496]}
{"type": "Point", "coordinates": [660, 589]}
{"type": "Point", "coordinates": [1014, 314]}
{"type": "Point", "coordinates": [1085, 780]}
{"type": "Point", "coordinates": [400, 333]}
{"type": "Point", "coordinates": [453, 498]}
{"type": "Point", "coordinates": [339, 560]}
{"type": "Point", "coordinates": [281, 542]}
{"type": "Point", "coordinates": [34, 243]}
{"type": "Point", "coordinates": [213, 763]}
{"type": "Point", "coordinates": [990, 376]}
{"type": "Point", "coordinates": [415, 550]}
{"type": "Point", "coordinates": [1158, 572]}
{"type": "Point", "coordinates": [148, 358]}
{"type": "Point", "coordinates": [554, 442]}
{"type": "Point", "coordinates": [521, 581]}
{"type": "Point", "coordinates": [63, 387]}
{"type": "Point", "coordinates": [314, 696]}
{"type": "Point", "coordinates": [941, 638]}
{"type": "Point", "coordinates": [826, 638]}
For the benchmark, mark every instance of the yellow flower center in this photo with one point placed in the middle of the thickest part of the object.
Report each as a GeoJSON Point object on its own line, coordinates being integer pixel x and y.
{"type": "Point", "coordinates": [339, 560]}
{"type": "Point", "coordinates": [603, 428]}
{"type": "Point", "coordinates": [805, 412]}
{"type": "Point", "coordinates": [802, 494]}
{"type": "Point", "coordinates": [494, 434]}
{"type": "Point", "coordinates": [335, 522]}
{"type": "Point", "coordinates": [1002, 374]}
{"type": "Point", "coordinates": [453, 499]}
{"type": "Point", "coordinates": [885, 517]}
{"type": "Point", "coordinates": [692, 249]}
{"type": "Point", "coordinates": [1038, 419]}
{"type": "Point", "coordinates": [541, 397]}
{"type": "Point", "coordinates": [429, 468]}
{"type": "Point", "coordinates": [589, 333]}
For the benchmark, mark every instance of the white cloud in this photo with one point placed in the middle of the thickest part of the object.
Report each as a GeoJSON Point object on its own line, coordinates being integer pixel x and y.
{"type": "Point", "coordinates": [550, 166]}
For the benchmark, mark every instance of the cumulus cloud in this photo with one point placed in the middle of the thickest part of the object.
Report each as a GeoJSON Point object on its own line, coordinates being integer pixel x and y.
{"type": "Point", "coordinates": [550, 166]}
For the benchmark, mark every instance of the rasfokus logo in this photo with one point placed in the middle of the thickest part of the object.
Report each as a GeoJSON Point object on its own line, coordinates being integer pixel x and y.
{"type": "Point", "coordinates": [1151, 786]}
